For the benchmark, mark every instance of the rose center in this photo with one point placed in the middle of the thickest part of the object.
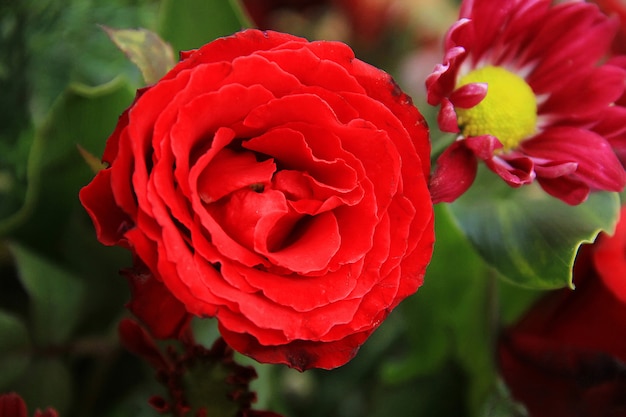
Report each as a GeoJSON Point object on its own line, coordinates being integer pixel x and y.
{"type": "Point", "coordinates": [508, 111]}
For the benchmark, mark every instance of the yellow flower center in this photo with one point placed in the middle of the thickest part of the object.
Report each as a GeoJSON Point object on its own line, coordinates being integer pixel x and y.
{"type": "Point", "coordinates": [508, 111]}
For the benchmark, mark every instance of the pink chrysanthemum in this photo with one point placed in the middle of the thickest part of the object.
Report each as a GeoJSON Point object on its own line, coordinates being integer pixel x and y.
{"type": "Point", "coordinates": [522, 84]}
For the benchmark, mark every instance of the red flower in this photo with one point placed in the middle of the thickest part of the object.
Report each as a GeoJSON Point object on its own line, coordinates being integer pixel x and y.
{"type": "Point", "coordinates": [521, 85]}
{"type": "Point", "coordinates": [12, 405]}
{"type": "Point", "coordinates": [154, 305]}
{"type": "Point", "coordinates": [276, 184]}
{"type": "Point", "coordinates": [567, 356]}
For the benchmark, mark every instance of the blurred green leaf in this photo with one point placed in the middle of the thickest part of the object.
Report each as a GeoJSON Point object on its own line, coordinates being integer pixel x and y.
{"type": "Point", "coordinates": [19, 180]}
{"type": "Point", "coordinates": [455, 316]}
{"type": "Point", "coordinates": [98, 267]}
{"type": "Point", "coordinates": [14, 348]}
{"type": "Point", "coordinates": [47, 382]}
{"type": "Point", "coordinates": [189, 24]}
{"type": "Point", "coordinates": [45, 45]}
{"type": "Point", "coordinates": [146, 50]}
{"type": "Point", "coordinates": [55, 296]}
{"type": "Point", "coordinates": [530, 237]}
{"type": "Point", "coordinates": [83, 116]}
{"type": "Point", "coordinates": [514, 300]}
{"type": "Point", "coordinates": [439, 394]}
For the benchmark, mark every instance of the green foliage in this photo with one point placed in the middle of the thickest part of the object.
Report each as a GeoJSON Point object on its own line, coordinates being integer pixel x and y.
{"type": "Point", "coordinates": [55, 296]}
{"type": "Point", "coordinates": [61, 289]}
{"type": "Point", "coordinates": [14, 348]}
{"type": "Point", "coordinates": [19, 179]}
{"type": "Point", "coordinates": [528, 236]}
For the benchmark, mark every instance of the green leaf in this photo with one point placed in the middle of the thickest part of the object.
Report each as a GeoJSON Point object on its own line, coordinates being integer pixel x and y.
{"type": "Point", "coordinates": [146, 50]}
{"type": "Point", "coordinates": [56, 296]}
{"type": "Point", "coordinates": [14, 349]}
{"type": "Point", "coordinates": [83, 116]}
{"type": "Point", "coordinates": [189, 24]}
{"type": "Point", "coordinates": [19, 186]}
{"type": "Point", "coordinates": [528, 236]}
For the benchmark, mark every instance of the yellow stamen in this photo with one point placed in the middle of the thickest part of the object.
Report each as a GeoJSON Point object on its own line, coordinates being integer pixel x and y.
{"type": "Point", "coordinates": [508, 111]}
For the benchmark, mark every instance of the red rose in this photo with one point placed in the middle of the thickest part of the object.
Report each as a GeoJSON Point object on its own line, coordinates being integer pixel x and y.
{"type": "Point", "coordinates": [567, 356]}
{"type": "Point", "coordinates": [276, 184]}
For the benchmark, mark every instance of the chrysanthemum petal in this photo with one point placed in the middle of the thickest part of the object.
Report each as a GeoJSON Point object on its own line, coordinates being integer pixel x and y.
{"type": "Point", "coordinates": [591, 92]}
{"type": "Point", "coordinates": [598, 166]}
{"type": "Point", "coordinates": [446, 118]}
{"type": "Point", "coordinates": [469, 95]}
{"type": "Point", "coordinates": [454, 174]}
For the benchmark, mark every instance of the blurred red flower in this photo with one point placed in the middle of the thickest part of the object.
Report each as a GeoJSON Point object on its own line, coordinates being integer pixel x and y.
{"type": "Point", "coordinates": [12, 405]}
{"type": "Point", "coordinates": [522, 85]}
{"type": "Point", "coordinates": [567, 355]}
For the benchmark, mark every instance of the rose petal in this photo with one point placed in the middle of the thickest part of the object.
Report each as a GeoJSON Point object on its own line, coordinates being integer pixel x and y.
{"type": "Point", "coordinates": [300, 293]}
{"type": "Point", "coordinates": [109, 221]}
{"type": "Point", "coordinates": [289, 146]}
{"type": "Point", "coordinates": [230, 171]}
{"type": "Point", "coordinates": [300, 355]}
{"type": "Point", "coordinates": [309, 69]}
{"type": "Point", "coordinates": [307, 247]}
{"type": "Point", "coordinates": [192, 134]}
